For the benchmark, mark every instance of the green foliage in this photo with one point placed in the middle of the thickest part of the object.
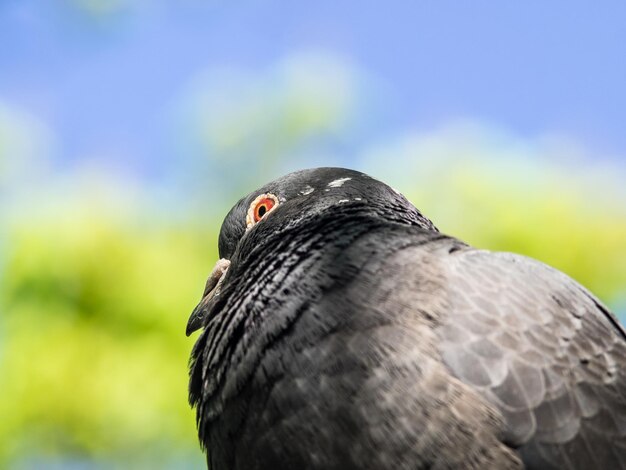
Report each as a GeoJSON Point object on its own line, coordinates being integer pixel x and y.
{"type": "Point", "coordinates": [553, 221]}
{"type": "Point", "coordinates": [94, 355]}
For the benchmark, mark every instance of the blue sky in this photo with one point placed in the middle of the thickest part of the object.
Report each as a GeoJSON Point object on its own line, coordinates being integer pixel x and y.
{"type": "Point", "coordinates": [108, 80]}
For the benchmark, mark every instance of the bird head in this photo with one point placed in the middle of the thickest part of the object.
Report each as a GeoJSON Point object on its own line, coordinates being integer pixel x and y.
{"type": "Point", "coordinates": [298, 201]}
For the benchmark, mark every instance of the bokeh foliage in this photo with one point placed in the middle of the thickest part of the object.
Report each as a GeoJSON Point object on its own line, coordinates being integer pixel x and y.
{"type": "Point", "coordinates": [94, 354]}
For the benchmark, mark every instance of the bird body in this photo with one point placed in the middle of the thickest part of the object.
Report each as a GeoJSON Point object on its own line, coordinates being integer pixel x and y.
{"type": "Point", "coordinates": [347, 332]}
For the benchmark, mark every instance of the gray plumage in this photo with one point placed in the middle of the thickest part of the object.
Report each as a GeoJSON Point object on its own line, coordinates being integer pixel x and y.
{"type": "Point", "coordinates": [345, 331]}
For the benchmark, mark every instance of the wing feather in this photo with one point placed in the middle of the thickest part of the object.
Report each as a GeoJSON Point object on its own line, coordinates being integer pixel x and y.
{"type": "Point", "coordinates": [542, 349]}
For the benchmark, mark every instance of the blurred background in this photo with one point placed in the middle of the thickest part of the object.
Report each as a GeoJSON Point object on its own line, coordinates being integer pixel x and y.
{"type": "Point", "coordinates": [129, 127]}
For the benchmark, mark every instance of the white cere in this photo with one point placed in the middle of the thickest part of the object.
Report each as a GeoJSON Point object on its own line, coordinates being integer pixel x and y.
{"type": "Point", "coordinates": [307, 190]}
{"type": "Point", "coordinates": [338, 183]}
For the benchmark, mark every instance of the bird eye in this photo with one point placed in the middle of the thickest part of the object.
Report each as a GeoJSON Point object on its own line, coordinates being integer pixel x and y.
{"type": "Point", "coordinates": [260, 207]}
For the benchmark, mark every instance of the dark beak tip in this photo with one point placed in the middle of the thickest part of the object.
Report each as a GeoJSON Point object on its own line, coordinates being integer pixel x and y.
{"type": "Point", "coordinates": [191, 328]}
{"type": "Point", "coordinates": [211, 289]}
{"type": "Point", "coordinates": [195, 321]}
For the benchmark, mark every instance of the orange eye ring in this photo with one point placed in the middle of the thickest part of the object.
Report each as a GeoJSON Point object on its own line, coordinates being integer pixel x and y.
{"type": "Point", "coordinates": [260, 207]}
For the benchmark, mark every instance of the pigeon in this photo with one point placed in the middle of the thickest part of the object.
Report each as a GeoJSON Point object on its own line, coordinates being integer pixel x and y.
{"type": "Point", "coordinates": [342, 330]}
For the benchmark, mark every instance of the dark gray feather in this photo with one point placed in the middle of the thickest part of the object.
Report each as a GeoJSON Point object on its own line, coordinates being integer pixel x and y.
{"type": "Point", "coordinates": [543, 350]}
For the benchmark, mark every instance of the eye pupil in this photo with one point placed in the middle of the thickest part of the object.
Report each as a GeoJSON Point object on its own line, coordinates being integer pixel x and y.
{"type": "Point", "coordinates": [262, 210]}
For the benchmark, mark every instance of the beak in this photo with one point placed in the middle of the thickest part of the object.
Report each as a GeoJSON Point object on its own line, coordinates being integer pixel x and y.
{"type": "Point", "coordinates": [211, 290]}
